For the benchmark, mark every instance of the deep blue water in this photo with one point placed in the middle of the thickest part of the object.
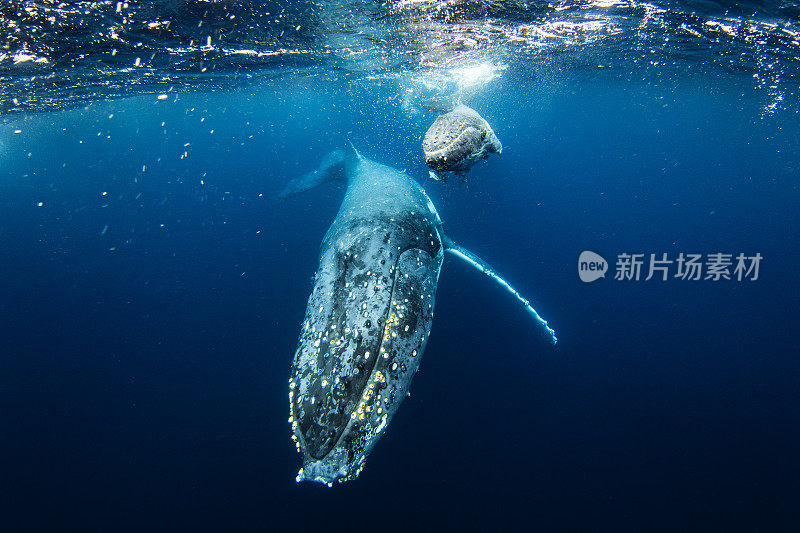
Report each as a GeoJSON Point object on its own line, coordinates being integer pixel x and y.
{"type": "Point", "coordinates": [144, 367]}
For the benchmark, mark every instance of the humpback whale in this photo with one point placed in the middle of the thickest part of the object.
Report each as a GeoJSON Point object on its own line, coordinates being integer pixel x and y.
{"type": "Point", "coordinates": [456, 141]}
{"type": "Point", "coordinates": [369, 314]}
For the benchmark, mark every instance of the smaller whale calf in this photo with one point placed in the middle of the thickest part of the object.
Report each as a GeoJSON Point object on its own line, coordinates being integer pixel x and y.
{"type": "Point", "coordinates": [456, 141]}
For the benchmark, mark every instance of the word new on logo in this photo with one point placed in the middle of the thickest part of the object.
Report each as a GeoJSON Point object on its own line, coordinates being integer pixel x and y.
{"type": "Point", "coordinates": [591, 266]}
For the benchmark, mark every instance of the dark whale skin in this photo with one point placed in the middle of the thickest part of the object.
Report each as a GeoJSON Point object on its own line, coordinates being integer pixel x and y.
{"type": "Point", "coordinates": [367, 322]}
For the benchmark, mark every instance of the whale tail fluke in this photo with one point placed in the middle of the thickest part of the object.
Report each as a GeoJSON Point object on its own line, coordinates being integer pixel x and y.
{"type": "Point", "coordinates": [480, 264]}
{"type": "Point", "coordinates": [331, 168]}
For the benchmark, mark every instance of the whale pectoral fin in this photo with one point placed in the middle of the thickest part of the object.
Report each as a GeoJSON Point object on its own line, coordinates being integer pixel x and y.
{"type": "Point", "coordinates": [331, 168]}
{"type": "Point", "coordinates": [484, 267]}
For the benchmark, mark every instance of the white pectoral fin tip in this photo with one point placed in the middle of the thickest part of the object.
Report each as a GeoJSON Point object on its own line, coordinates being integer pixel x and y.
{"type": "Point", "coordinates": [480, 264]}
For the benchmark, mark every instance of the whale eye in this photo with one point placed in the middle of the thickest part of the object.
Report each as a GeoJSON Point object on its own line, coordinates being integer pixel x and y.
{"type": "Point", "coordinates": [368, 323]}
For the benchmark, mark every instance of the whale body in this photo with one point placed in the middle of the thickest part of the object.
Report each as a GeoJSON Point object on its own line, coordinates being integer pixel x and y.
{"type": "Point", "coordinates": [369, 314]}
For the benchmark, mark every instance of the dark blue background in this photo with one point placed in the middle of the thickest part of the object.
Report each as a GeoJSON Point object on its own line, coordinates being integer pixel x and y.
{"type": "Point", "coordinates": [145, 387]}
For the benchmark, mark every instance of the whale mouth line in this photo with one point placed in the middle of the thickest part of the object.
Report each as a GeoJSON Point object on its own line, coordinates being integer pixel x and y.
{"type": "Point", "coordinates": [386, 317]}
{"type": "Point", "coordinates": [387, 314]}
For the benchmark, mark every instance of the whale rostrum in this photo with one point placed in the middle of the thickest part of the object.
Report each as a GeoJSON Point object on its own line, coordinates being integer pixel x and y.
{"type": "Point", "coordinates": [369, 314]}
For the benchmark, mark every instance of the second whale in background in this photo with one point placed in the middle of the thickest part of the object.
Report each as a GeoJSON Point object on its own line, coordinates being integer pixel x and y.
{"type": "Point", "coordinates": [456, 141]}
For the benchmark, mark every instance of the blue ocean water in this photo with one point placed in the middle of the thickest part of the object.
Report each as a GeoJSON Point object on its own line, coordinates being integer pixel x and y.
{"type": "Point", "coordinates": [152, 291]}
